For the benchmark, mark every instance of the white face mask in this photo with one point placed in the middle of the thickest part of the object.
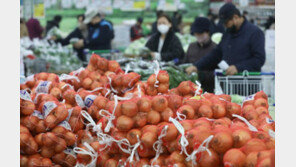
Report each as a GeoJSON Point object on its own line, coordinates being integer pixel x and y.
{"type": "Point", "coordinates": [163, 29]}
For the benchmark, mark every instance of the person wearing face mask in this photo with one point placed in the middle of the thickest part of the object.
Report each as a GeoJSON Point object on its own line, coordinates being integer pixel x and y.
{"type": "Point", "coordinates": [196, 50]}
{"type": "Point", "coordinates": [242, 46]}
{"type": "Point", "coordinates": [164, 44]}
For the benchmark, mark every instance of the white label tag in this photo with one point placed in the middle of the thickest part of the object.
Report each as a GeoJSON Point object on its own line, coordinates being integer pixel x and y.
{"type": "Point", "coordinates": [66, 125]}
{"type": "Point", "coordinates": [88, 101]}
{"type": "Point", "coordinates": [25, 95]}
{"type": "Point", "coordinates": [37, 114]}
{"type": "Point", "coordinates": [79, 101]}
{"type": "Point", "coordinates": [223, 65]}
{"type": "Point", "coordinates": [48, 107]}
{"type": "Point", "coordinates": [69, 114]}
{"type": "Point", "coordinates": [43, 87]}
{"type": "Point", "coordinates": [269, 121]}
{"type": "Point", "coordinates": [248, 98]}
{"type": "Point", "coordinates": [30, 78]}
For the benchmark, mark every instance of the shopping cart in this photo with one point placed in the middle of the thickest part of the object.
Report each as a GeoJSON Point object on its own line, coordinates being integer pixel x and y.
{"type": "Point", "coordinates": [245, 83]}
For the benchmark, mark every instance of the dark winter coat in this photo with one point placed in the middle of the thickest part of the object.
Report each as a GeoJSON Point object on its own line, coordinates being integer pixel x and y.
{"type": "Point", "coordinates": [244, 49]}
{"type": "Point", "coordinates": [172, 48]}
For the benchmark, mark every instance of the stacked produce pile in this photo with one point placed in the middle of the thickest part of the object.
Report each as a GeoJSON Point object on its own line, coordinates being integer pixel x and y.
{"type": "Point", "coordinates": [103, 116]}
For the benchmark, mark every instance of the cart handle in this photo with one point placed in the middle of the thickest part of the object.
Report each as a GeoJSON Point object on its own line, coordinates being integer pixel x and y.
{"type": "Point", "coordinates": [246, 73]}
{"type": "Point", "coordinates": [100, 51]}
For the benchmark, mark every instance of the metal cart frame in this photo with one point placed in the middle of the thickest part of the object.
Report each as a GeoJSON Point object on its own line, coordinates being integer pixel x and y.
{"type": "Point", "coordinates": [245, 83]}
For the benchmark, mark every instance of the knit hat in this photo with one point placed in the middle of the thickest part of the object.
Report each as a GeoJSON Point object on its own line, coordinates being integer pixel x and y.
{"type": "Point", "coordinates": [200, 25]}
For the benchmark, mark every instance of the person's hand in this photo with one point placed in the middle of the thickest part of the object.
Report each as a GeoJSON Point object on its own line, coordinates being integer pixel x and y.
{"type": "Point", "coordinates": [79, 44]}
{"type": "Point", "coordinates": [191, 69]}
{"type": "Point", "coordinates": [231, 70]}
{"type": "Point", "coordinates": [152, 54]}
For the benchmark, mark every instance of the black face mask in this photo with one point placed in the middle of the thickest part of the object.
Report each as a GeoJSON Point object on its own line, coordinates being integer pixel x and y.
{"type": "Point", "coordinates": [231, 30]}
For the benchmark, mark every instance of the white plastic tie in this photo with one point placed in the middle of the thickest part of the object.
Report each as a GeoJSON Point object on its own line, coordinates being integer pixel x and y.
{"type": "Point", "coordinates": [251, 127]}
{"type": "Point", "coordinates": [110, 82]}
{"type": "Point", "coordinates": [77, 72]}
{"type": "Point", "coordinates": [203, 147]}
{"type": "Point", "coordinates": [127, 68]}
{"type": "Point", "coordinates": [68, 77]}
{"type": "Point", "coordinates": [180, 116]}
{"type": "Point", "coordinates": [91, 152]}
{"type": "Point", "coordinates": [96, 128]}
{"type": "Point", "coordinates": [157, 146]}
{"type": "Point", "coordinates": [156, 71]}
{"type": "Point", "coordinates": [139, 91]}
{"type": "Point", "coordinates": [198, 88]}
{"type": "Point", "coordinates": [134, 150]}
{"type": "Point", "coordinates": [183, 141]}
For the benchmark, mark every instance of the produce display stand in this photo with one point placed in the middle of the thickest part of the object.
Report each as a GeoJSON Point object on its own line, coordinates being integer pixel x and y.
{"type": "Point", "coordinates": [113, 54]}
{"type": "Point", "coordinates": [245, 83]}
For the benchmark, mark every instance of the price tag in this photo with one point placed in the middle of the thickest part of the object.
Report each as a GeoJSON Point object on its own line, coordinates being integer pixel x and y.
{"type": "Point", "coordinates": [88, 101]}
{"type": "Point", "coordinates": [43, 87]}
{"type": "Point", "coordinates": [66, 125]}
{"type": "Point", "coordinates": [38, 114]}
{"type": "Point", "coordinates": [25, 95]}
{"type": "Point", "coordinates": [48, 107]}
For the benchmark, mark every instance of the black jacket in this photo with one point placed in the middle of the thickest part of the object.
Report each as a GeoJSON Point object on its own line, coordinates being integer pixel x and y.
{"type": "Point", "coordinates": [99, 36]}
{"type": "Point", "coordinates": [50, 25]}
{"type": "Point", "coordinates": [172, 48]}
{"type": "Point", "coordinates": [244, 49]}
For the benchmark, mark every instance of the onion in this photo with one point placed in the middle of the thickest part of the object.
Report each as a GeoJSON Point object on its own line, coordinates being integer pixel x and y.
{"type": "Point", "coordinates": [140, 119]}
{"type": "Point", "coordinates": [49, 139]}
{"type": "Point", "coordinates": [201, 135]}
{"type": "Point", "coordinates": [171, 134]}
{"type": "Point", "coordinates": [270, 143]}
{"type": "Point", "coordinates": [221, 142]}
{"type": "Point", "coordinates": [176, 157]}
{"type": "Point", "coordinates": [124, 123]}
{"type": "Point", "coordinates": [160, 161]}
{"type": "Point", "coordinates": [59, 158]}
{"type": "Point", "coordinates": [144, 151]}
{"type": "Point", "coordinates": [60, 146]}
{"type": "Point", "coordinates": [113, 65]}
{"type": "Point", "coordinates": [27, 107]}
{"type": "Point", "coordinates": [172, 146]}
{"type": "Point", "coordinates": [248, 108]}
{"type": "Point", "coordinates": [70, 138]}
{"type": "Point", "coordinates": [234, 157]}
{"type": "Point", "coordinates": [186, 87]}
{"type": "Point", "coordinates": [40, 127]}
{"type": "Point", "coordinates": [174, 91]}
{"type": "Point", "coordinates": [261, 102]}
{"type": "Point", "coordinates": [151, 90]}
{"type": "Point", "coordinates": [93, 60]}
{"type": "Point", "coordinates": [225, 97]}
{"type": "Point", "coordinates": [233, 108]}
{"type": "Point", "coordinates": [220, 121]}
{"type": "Point", "coordinates": [24, 161]}
{"type": "Point", "coordinates": [153, 117]}
{"type": "Point", "coordinates": [159, 103]}
{"type": "Point", "coordinates": [219, 110]}
{"type": "Point", "coordinates": [149, 138]}
{"type": "Point", "coordinates": [47, 152]}
{"type": "Point", "coordinates": [142, 162]}
{"type": "Point", "coordinates": [209, 161]}
{"type": "Point", "coordinates": [262, 110]}
{"type": "Point", "coordinates": [111, 163]}
{"type": "Point", "coordinates": [144, 104]}
{"type": "Point", "coordinates": [202, 122]}
{"type": "Point", "coordinates": [251, 159]}
{"type": "Point", "coordinates": [69, 96]}
{"type": "Point", "coordinates": [254, 145]}
{"type": "Point", "coordinates": [41, 76]}
{"type": "Point", "coordinates": [264, 154]}
{"type": "Point", "coordinates": [100, 102]}
{"type": "Point", "coordinates": [163, 88]}
{"type": "Point", "coordinates": [102, 64]}
{"type": "Point", "coordinates": [166, 114]}
{"type": "Point", "coordinates": [260, 94]}
{"type": "Point", "coordinates": [151, 80]}
{"type": "Point", "coordinates": [150, 128]}
{"type": "Point", "coordinates": [163, 77]}
{"type": "Point", "coordinates": [250, 115]}
{"type": "Point", "coordinates": [205, 111]}
{"type": "Point", "coordinates": [38, 139]}
{"type": "Point", "coordinates": [129, 108]}
{"type": "Point", "coordinates": [266, 162]}
{"type": "Point", "coordinates": [187, 125]}
{"type": "Point", "coordinates": [174, 102]}
{"type": "Point", "coordinates": [187, 110]}
{"type": "Point", "coordinates": [241, 137]}
{"type": "Point", "coordinates": [30, 122]}
{"type": "Point", "coordinates": [82, 158]}
{"type": "Point", "coordinates": [132, 136]}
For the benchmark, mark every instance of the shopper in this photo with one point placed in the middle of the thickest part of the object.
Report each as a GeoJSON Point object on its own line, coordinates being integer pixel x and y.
{"type": "Point", "coordinates": [197, 50]}
{"type": "Point", "coordinates": [204, 44]}
{"type": "Point", "coordinates": [99, 32]}
{"type": "Point", "coordinates": [79, 33]}
{"type": "Point", "coordinates": [136, 31]}
{"type": "Point", "coordinates": [154, 25]}
{"type": "Point", "coordinates": [34, 28]}
{"type": "Point", "coordinates": [55, 22]}
{"type": "Point", "coordinates": [164, 44]}
{"type": "Point", "coordinates": [242, 46]}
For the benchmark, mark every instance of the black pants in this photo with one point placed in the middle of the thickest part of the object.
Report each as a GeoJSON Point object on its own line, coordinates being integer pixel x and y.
{"type": "Point", "coordinates": [207, 80]}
